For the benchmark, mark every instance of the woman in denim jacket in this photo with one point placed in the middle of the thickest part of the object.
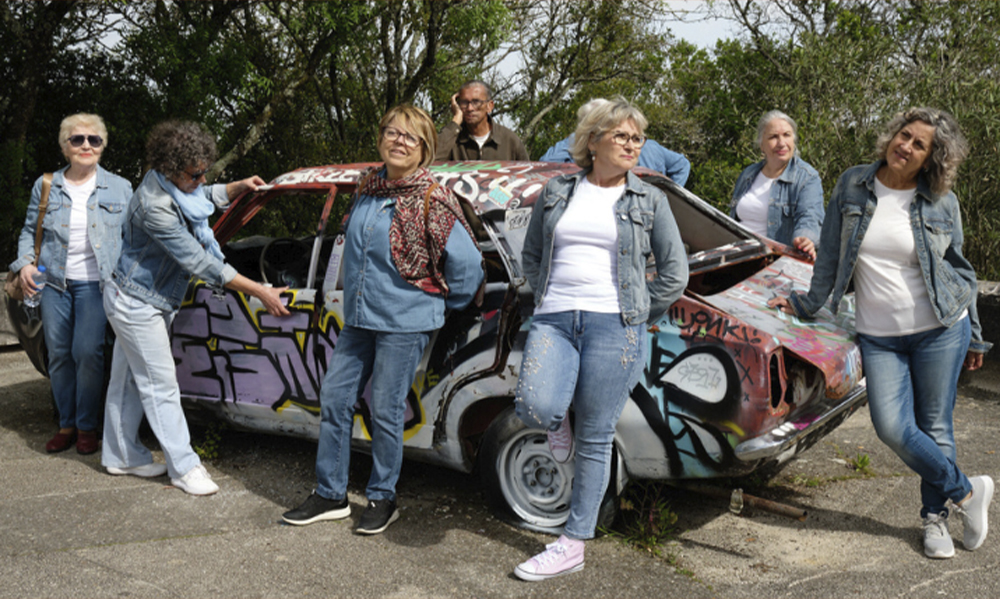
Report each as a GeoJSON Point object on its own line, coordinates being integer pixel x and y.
{"type": "Point", "coordinates": [916, 307]}
{"type": "Point", "coordinates": [81, 238]}
{"type": "Point", "coordinates": [780, 197]}
{"type": "Point", "coordinates": [167, 240]}
{"type": "Point", "coordinates": [409, 255]}
{"type": "Point", "coordinates": [585, 255]}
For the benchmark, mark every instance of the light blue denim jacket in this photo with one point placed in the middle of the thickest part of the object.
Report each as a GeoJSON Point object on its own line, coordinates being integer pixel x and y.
{"type": "Point", "coordinates": [377, 298]}
{"type": "Point", "coordinates": [796, 205]}
{"type": "Point", "coordinates": [937, 232]}
{"type": "Point", "coordinates": [159, 252]}
{"type": "Point", "coordinates": [646, 226]}
{"type": "Point", "coordinates": [105, 214]}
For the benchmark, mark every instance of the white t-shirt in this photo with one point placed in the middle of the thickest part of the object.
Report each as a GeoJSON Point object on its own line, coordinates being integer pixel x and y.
{"type": "Point", "coordinates": [480, 139]}
{"type": "Point", "coordinates": [889, 286]}
{"type": "Point", "coordinates": [752, 207]}
{"type": "Point", "coordinates": [584, 271]}
{"type": "Point", "coordinates": [81, 263]}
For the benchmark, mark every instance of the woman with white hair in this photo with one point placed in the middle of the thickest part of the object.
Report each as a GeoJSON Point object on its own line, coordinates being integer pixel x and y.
{"type": "Point", "coordinates": [81, 240]}
{"type": "Point", "coordinates": [780, 197]}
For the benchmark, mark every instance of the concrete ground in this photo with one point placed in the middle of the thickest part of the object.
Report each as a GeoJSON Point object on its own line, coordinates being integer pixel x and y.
{"type": "Point", "coordinates": [67, 529]}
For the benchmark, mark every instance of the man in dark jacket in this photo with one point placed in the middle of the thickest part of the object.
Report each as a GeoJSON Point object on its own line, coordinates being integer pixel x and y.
{"type": "Point", "coordinates": [472, 134]}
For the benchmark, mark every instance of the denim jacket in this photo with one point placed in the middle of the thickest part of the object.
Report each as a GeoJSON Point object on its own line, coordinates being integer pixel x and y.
{"type": "Point", "coordinates": [796, 205]}
{"type": "Point", "coordinates": [377, 298]}
{"type": "Point", "coordinates": [105, 214]}
{"type": "Point", "coordinates": [937, 232]}
{"type": "Point", "coordinates": [159, 253]}
{"type": "Point", "coordinates": [646, 226]}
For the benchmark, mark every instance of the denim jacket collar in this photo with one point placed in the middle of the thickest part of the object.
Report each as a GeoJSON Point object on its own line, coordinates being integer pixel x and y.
{"type": "Point", "coordinates": [923, 186]}
{"type": "Point", "coordinates": [633, 185]}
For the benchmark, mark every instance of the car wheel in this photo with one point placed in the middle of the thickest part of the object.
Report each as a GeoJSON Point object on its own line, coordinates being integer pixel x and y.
{"type": "Point", "coordinates": [524, 485]}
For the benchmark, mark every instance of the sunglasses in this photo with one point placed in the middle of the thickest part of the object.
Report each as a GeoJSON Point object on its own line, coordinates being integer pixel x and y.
{"type": "Point", "coordinates": [76, 141]}
{"type": "Point", "coordinates": [196, 175]}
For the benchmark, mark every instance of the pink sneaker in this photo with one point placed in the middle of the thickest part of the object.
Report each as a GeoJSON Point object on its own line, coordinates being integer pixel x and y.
{"type": "Point", "coordinates": [561, 441]}
{"type": "Point", "coordinates": [562, 557]}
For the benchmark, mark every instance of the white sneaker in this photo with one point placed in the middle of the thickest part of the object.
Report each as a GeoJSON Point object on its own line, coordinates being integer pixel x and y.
{"type": "Point", "coordinates": [974, 512]}
{"type": "Point", "coordinates": [150, 470]}
{"type": "Point", "coordinates": [197, 481]}
{"type": "Point", "coordinates": [937, 539]}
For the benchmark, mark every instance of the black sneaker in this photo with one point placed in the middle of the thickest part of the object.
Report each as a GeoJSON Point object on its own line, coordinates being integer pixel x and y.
{"type": "Point", "coordinates": [316, 508]}
{"type": "Point", "coordinates": [379, 514]}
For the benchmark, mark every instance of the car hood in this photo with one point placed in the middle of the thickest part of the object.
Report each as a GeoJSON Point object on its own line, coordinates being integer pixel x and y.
{"type": "Point", "coordinates": [826, 341]}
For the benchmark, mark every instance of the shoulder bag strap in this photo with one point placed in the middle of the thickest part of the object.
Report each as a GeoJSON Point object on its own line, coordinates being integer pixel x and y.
{"type": "Point", "coordinates": [43, 205]}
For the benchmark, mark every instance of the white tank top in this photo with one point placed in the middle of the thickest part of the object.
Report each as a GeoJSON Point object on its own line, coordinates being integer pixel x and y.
{"type": "Point", "coordinates": [889, 286]}
{"type": "Point", "coordinates": [584, 271]}
{"type": "Point", "coordinates": [752, 207]}
{"type": "Point", "coordinates": [81, 262]}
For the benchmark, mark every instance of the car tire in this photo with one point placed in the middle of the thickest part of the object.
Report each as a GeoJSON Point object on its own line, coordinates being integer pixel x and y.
{"type": "Point", "coordinates": [524, 485]}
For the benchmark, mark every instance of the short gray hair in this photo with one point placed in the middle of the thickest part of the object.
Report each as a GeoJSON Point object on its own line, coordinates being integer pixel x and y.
{"type": "Point", "coordinates": [949, 146]}
{"type": "Point", "coordinates": [81, 119]}
{"type": "Point", "coordinates": [478, 83]}
{"type": "Point", "coordinates": [770, 116]}
{"type": "Point", "coordinates": [600, 120]}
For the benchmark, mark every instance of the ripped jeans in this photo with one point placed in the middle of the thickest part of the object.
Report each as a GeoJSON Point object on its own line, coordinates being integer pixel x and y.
{"type": "Point", "coordinates": [590, 360]}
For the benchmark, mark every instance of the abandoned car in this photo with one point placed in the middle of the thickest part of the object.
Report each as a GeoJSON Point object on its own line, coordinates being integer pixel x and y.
{"type": "Point", "coordinates": [730, 386]}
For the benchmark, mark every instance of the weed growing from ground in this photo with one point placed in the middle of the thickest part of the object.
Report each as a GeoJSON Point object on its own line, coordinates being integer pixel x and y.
{"type": "Point", "coordinates": [646, 521]}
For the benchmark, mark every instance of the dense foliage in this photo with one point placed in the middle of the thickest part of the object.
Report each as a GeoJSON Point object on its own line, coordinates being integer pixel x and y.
{"type": "Point", "coordinates": [288, 84]}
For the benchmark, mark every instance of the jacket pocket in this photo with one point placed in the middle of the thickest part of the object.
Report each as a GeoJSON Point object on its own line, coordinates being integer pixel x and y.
{"type": "Point", "coordinates": [939, 234]}
{"type": "Point", "coordinates": [642, 225]}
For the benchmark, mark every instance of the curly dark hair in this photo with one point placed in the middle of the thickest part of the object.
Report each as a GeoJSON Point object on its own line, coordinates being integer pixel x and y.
{"type": "Point", "coordinates": [174, 146]}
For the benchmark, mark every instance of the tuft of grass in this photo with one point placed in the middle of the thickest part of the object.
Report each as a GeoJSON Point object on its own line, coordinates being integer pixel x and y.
{"type": "Point", "coordinates": [862, 464]}
{"type": "Point", "coordinates": [646, 522]}
{"type": "Point", "coordinates": [211, 443]}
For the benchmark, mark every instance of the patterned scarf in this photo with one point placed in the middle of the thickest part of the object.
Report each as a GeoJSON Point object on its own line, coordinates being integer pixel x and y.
{"type": "Point", "coordinates": [418, 238]}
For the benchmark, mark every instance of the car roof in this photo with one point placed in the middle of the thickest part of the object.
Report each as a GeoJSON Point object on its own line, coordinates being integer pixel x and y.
{"type": "Point", "coordinates": [487, 185]}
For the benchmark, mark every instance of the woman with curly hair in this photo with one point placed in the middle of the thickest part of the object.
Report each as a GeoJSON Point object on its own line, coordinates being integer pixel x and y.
{"type": "Point", "coordinates": [166, 240]}
{"type": "Point", "coordinates": [916, 307]}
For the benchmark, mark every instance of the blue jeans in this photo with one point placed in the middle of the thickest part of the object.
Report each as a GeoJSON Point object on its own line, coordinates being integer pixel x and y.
{"type": "Point", "coordinates": [143, 381]}
{"type": "Point", "coordinates": [390, 360]}
{"type": "Point", "coordinates": [592, 361]}
{"type": "Point", "coordinates": [912, 386]}
{"type": "Point", "coordinates": [74, 335]}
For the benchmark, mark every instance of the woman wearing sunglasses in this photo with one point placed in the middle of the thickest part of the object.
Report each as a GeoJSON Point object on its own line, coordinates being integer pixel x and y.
{"type": "Point", "coordinates": [166, 240]}
{"type": "Point", "coordinates": [80, 244]}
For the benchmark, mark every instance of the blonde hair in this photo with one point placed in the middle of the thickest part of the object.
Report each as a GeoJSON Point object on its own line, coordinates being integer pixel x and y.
{"type": "Point", "coordinates": [81, 119]}
{"type": "Point", "coordinates": [601, 119]}
{"type": "Point", "coordinates": [420, 122]}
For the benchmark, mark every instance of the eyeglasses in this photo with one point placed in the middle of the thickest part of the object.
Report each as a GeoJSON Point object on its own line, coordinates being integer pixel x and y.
{"type": "Point", "coordinates": [196, 175]}
{"type": "Point", "coordinates": [476, 104]}
{"type": "Point", "coordinates": [391, 135]}
{"type": "Point", "coordinates": [621, 138]}
{"type": "Point", "coordinates": [76, 141]}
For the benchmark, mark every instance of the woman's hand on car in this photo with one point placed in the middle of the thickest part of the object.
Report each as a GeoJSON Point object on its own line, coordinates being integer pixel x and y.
{"type": "Point", "coordinates": [249, 184]}
{"type": "Point", "coordinates": [271, 298]}
{"type": "Point", "coordinates": [782, 304]}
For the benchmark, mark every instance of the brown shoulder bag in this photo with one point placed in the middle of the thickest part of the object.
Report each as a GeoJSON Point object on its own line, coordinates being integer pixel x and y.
{"type": "Point", "coordinates": [12, 286]}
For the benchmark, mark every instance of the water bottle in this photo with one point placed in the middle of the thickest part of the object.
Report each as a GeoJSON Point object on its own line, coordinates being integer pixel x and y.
{"type": "Point", "coordinates": [39, 278]}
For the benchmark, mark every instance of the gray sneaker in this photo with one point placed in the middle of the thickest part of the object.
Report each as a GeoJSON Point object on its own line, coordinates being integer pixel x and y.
{"type": "Point", "coordinates": [974, 512]}
{"type": "Point", "coordinates": [937, 538]}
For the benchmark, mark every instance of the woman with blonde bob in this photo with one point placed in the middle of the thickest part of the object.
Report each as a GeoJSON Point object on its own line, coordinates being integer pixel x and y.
{"type": "Point", "coordinates": [585, 253]}
{"type": "Point", "coordinates": [403, 267]}
{"type": "Point", "coordinates": [916, 307]}
{"type": "Point", "coordinates": [82, 230]}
